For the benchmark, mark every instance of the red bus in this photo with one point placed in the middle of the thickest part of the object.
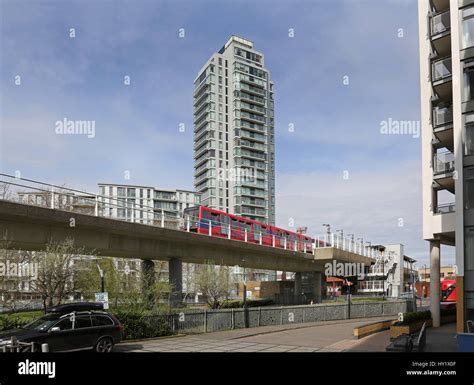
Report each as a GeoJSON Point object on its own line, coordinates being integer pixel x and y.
{"type": "Point", "coordinates": [243, 229]}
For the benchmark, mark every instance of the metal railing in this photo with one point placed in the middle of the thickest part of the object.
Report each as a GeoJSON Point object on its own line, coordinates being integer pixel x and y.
{"type": "Point", "coordinates": [443, 162]}
{"type": "Point", "coordinates": [346, 244]}
{"type": "Point", "coordinates": [68, 199]}
{"type": "Point", "coordinates": [441, 69]}
{"type": "Point", "coordinates": [440, 23]}
{"type": "Point", "coordinates": [442, 116]}
{"type": "Point", "coordinates": [445, 208]}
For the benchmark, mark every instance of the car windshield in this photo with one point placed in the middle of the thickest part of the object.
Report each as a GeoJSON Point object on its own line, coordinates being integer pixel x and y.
{"type": "Point", "coordinates": [42, 323]}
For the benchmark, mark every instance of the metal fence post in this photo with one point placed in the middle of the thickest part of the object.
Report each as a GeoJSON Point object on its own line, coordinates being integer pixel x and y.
{"type": "Point", "coordinates": [259, 315]}
{"type": "Point", "coordinates": [281, 316]}
{"type": "Point", "coordinates": [229, 234]}
{"type": "Point", "coordinates": [245, 235]}
{"type": "Point", "coordinates": [232, 319]}
{"type": "Point", "coordinates": [348, 306]}
{"type": "Point", "coordinates": [210, 227]}
{"type": "Point", "coordinates": [188, 225]}
{"type": "Point", "coordinates": [205, 321]}
{"type": "Point", "coordinates": [273, 240]}
{"type": "Point", "coordinates": [162, 218]}
{"type": "Point", "coordinates": [261, 238]}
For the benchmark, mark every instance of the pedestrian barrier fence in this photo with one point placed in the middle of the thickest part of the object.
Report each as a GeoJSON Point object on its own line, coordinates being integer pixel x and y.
{"type": "Point", "coordinates": [205, 321]}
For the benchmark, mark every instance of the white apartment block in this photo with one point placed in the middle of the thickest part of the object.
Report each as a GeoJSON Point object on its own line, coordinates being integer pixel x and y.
{"type": "Point", "coordinates": [144, 204]}
{"type": "Point", "coordinates": [446, 33]}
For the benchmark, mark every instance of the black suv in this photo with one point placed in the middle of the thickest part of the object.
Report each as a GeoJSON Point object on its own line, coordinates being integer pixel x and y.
{"type": "Point", "coordinates": [70, 327]}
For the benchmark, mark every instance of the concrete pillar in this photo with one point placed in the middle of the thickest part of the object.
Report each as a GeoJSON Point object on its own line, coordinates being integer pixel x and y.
{"type": "Point", "coordinates": [298, 286]}
{"type": "Point", "coordinates": [148, 281]}
{"type": "Point", "coordinates": [317, 276]}
{"type": "Point", "coordinates": [176, 281]}
{"type": "Point", "coordinates": [435, 282]}
{"type": "Point", "coordinates": [324, 286]}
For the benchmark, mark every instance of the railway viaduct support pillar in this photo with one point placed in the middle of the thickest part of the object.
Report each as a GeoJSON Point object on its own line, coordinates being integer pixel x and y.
{"type": "Point", "coordinates": [317, 288]}
{"type": "Point", "coordinates": [298, 286]}
{"type": "Point", "coordinates": [176, 281]}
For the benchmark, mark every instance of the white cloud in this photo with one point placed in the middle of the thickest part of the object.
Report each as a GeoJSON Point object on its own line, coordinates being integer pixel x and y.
{"type": "Point", "coordinates": [369, 204]}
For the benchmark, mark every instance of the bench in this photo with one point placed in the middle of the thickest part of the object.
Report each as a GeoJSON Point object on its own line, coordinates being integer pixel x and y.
{"type": "Point", "coordinates": [420, 341]}
{"type": "Point", "coordinates": [409, 343]}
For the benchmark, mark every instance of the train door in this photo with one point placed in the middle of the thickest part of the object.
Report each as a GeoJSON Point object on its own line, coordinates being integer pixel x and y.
{"type": "Point", "coordinates": [224, 222]}
{"type": "Point", "coordinates": [257, 232]}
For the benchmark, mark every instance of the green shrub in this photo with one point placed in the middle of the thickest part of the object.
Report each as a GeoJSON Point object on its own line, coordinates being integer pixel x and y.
{"type": "Point", "coordinates": [235, 304]}
{"type": "Point", "coordinates": [139, 325]}
{"type": "Point", "coordinates": [14, 321]}
{"type": "Point", "coordinates": [412, 317]}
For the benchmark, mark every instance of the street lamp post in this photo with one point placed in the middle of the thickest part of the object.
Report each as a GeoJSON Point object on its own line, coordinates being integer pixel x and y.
{"type": "Point", "coordinates": [328, 231]}
{"type": "Point", "coordinates": [102, 278]}
{"type": "Point", "coordinates": [361, 245]}
{"type": "Point", "coordinates": [244, 294]}
{"type": "Point", "coordinates": [352, 242]}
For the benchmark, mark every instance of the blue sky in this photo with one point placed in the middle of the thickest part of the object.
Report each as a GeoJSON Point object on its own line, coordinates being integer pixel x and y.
{"type": "Point", "coordinates": [337, 125]}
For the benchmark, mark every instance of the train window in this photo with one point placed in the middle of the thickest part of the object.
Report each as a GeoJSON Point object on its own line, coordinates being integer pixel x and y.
{"type": "Point", "coordinates": [242, 225]}
{"type": "Point", "coordinates": [257, 229]}
{"type": "Point", "coordinates": [215, 218]}
{"type": "Point", "coordinates": [205, 214]}
{"type": "Point", "coordinates": [224, 219]}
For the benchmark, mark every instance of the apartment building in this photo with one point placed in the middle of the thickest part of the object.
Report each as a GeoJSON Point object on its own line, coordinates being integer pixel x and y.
{"type": "Point", "coordinates": [234, 141]}
{"type": "Point", "coordinates": [144, 204]}
{"type": "Point", "coordinates": [446, 33]}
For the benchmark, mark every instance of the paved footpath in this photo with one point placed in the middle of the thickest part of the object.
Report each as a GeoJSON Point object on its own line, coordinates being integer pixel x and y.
{"type": "Point", "coordinates": [330, 336]}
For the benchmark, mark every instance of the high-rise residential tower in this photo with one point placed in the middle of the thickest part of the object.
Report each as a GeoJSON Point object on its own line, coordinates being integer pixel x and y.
{"type": "Point", "coordinates": [446, 32]}
{"type": "Point", "coordinates": [234, 141]}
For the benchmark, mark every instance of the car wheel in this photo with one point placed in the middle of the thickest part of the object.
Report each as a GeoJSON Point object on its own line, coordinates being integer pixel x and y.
{"type": "Point", "coordinates": [104, 345]}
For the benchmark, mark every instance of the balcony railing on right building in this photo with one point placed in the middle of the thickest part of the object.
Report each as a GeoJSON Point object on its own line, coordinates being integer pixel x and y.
{"type": "Point", "coordinates": [445, 208]}
{"type": "Point", "coordinates": [440, 23]}
{"type": "Point", "coordinates": [442, 116]}
{"type": "Point", "coordinates": [443, 163]}
{"type": "Point", "coordinates": [441, 69]}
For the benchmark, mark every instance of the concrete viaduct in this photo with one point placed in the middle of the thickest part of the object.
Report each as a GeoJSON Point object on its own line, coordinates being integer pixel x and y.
{"type": "Point", "coordinates": [27, 227]}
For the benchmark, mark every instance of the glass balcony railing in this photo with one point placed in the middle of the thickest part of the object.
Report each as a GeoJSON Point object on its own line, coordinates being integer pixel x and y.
{"type": "Point", "coordinates": [442, 116]}
{"type": "Point", "coordinates": [441, 69]}
{"type": "Point", "coordinates": [445, 208]}
{"type": "Point", "coordinates": [443, 163]}
{"type": "Point", "coordinates": [440, 23]}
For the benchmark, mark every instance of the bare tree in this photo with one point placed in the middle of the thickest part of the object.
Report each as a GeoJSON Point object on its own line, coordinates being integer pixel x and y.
{"type": "Point", "coordinates": [55, 280]}
{"type": "Point", "coordinates": [5, 191]}
{"type": "Point", "coordinates": [215, 283]}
